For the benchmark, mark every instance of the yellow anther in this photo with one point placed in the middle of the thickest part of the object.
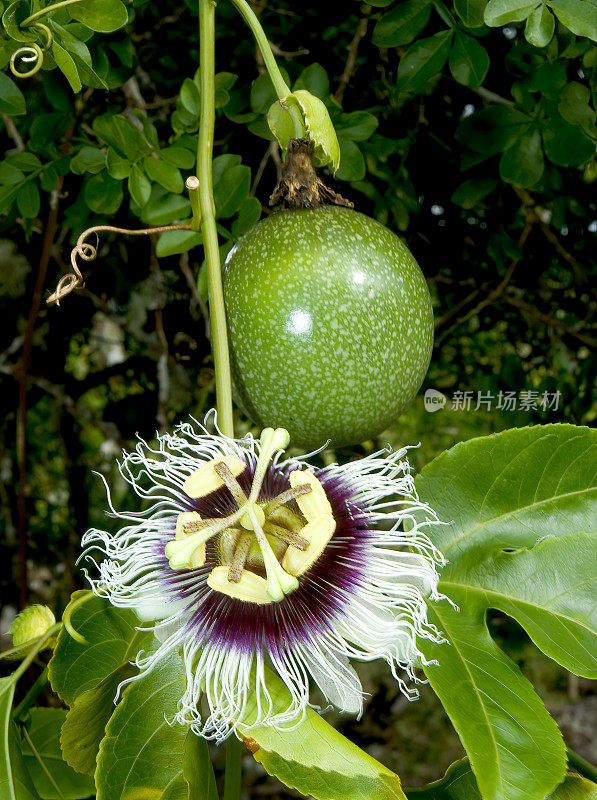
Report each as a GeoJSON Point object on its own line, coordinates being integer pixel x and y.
{"type": "Point", "coordinates": [206, 480]}
{"type": "Point", "coordinates": [246, 520]}
{"type": "Point", "coordinates": [250, 588]}
{"type": "Point", "coordinates": [314, 503]}
{"type": "Point", "coordinates": [318, 533]}
{"type": "Point", "coordinates": [183, 520]}
{"type": "Point", "coordinates": [198, 556]}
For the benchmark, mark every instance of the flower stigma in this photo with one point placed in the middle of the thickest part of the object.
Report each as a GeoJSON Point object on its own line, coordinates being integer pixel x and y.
{"type": "Point", "coordinates": [265, 545]}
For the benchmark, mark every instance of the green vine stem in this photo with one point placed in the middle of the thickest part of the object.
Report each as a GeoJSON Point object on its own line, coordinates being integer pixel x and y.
{"type": "Point", "coordinates": [31, 695]}
{"type": "Point", "coordinates": [219, 335]}
{"type": "Point", "coordinates": [233, 769]}
{"type": "Point", "coordinates": [584, 767]}
{"type": "Point", "coordinates": [281, 87]}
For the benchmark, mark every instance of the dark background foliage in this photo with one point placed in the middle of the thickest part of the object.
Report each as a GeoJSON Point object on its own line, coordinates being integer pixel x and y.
{"type": "Point", "coordinates": [472, 143]}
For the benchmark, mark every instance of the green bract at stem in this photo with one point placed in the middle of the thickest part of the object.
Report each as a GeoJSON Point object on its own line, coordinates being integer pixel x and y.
{"type": "Point", "coordinates": [47, 10]}
{"type": "Point", "coordinates": [39, 645]}
{"type": "Point", "coordinates": [219, 335]}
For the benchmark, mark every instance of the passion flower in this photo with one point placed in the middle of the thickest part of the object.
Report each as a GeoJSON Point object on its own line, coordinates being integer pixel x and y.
{"type": "Point", "coordinates": [330, 324]}
{"type": "Point", "coordinates": [245, 561]}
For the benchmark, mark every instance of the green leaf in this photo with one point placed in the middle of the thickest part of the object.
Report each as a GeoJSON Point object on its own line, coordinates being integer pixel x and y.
{"type": "Point", "coordinates": [139, 186]}
{"type": "Point", "coordinates": [423, 61]}
{"type": "Point", "coordinates": [493, 129]}
{"type": "Point", "coordinates": [164, 173]}
{"type": "Point", "coordinates": [579, 16]}
{"type": "Point", "coordinates": [28, 162]}
{"type": "Point", "coordinates": [55, 779]}
{"type": "Point", "coordinates": [501, 12]}
{"type": "Point", "coordinates": [540, 27]}
{"type": "Point", "coordinates": [190, 97]}
{"type": "Point", "coordinates": [103, 194]}
{"type": "Point", "coordinates": [11, 19]}
{"type": "Point", "coordinates": [7, 197]}
{"type": "Point", "coordinates": [79, 52]}
{"type": "Point", "coordinates": [471, 12]}
{"type": "Point", "coordinates": [459, 784]}
{"type": "Point", "coordinates": [164, 208]}
{"type": "Point", "coordinates": [15, 783]}
{"type": "Point", "coordinates": [67, 66]}
{"type": "Point", "coordinates": [575, 106]}
{"type": "Point", "coordinates": [112, 640]}
{"type": "Point", "coordinates": [352, 163]}
{"type": "Point", "coordinates": [402, 24]}
{"type": "Point", "coordinates": [231, 189]}
{"type": "Point", "coordinates": [319, 127]}
{"type": "Point", "coordinates": [198, 770]}
{"type": "Point", "coordinates": [179, 156]}
{"type": "Point", "coordinates": [515, 747]}
{"type": "Point", "coordinates": [85, 723]}
{"type": "Point", "coordinates": [141, 754]}
{"type": "Point", "coordinates": [566, 145]}
{"type": "Point", "coordinates": [315, 759]}
{"type": "Point", "coordinates": [10, 173]}
{"type": "Point", "coordinates": [118, 167]}
{"type": "Point", "coordinates": [469, 61]}
{"type": "Point", "coordinates": [12, 101]}
{"type": "Point", "coordinates": [88, 159]}
{"type": "Point", "coordinates": [263, 93]}
{"type": "Point", "coordinates": [224, 81]}
{"type": "Point", "coordinates": [358, 126]}
{"type": "Point", "coordinates": [248, 216]}
{"type": "Point", "coordinates": [172, 243]}
{"type": "Point", "coordinates": [28, 200]}
{"type": "Point", "coordinates": [315, 80]}
{"type": "Point", "coordinates": [103, 16]}
{"type": "Point", "coordinates": [470, 193]}
{"type": "Point", "coordinates": [118, 132]}
{"type": "Point", "coordinates": [504, 494]}
{"type": "Point", "coordinates": [522, 164]}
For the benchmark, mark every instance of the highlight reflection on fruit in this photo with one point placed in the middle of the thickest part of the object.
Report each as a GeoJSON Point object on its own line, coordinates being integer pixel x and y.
{"type": "Point", "coordinates": [330, 324]}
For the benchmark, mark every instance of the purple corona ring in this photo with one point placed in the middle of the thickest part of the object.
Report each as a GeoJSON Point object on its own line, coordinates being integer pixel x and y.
{"type": "Point", "coordinates": [247, 562]}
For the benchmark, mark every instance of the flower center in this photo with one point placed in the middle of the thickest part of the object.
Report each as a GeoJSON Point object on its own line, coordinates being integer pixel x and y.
{"type": "Point", "coordinates": [265, 545]}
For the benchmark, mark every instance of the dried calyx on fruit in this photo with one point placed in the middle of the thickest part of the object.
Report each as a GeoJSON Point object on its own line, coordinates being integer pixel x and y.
{"type": "Point", "coordinates": [300, 186]}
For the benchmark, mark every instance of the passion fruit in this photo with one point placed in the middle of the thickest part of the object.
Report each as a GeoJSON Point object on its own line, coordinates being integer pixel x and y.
{"type": "Point", "coordinates": [330, 324]}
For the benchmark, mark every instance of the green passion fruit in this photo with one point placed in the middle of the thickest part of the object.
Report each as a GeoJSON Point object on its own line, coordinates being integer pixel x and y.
{"type": "Point", "coordinates": [330, 324]}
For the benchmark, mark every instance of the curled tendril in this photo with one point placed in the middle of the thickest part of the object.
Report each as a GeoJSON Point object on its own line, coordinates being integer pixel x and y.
{"type": "Point", "coordinates": [28, 53]}
{"type": "Point", "coordinates": [45, 30]}
{"type": "Point", "coordinates": [68, 612]}
{"type": "Point", "coordinates": [88, 252]}
{"type": "Point", "coordinates": [31, 52]}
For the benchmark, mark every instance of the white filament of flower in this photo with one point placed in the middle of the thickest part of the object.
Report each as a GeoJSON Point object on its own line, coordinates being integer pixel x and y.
{"type": "Point", "coordinates": [305, 539]}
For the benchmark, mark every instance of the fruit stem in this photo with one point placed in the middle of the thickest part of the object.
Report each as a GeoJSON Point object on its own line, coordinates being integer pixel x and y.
{"type": "Point", "coordinates": [219, 335]}
{"type": "Point", "coordinates": [280, 85]}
